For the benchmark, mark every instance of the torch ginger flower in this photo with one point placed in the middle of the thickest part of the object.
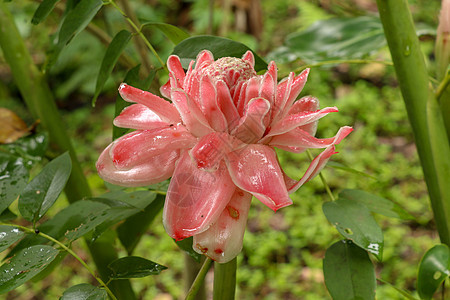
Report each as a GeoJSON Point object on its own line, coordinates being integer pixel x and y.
{"type": "Point", "coordinates": [216, 140]}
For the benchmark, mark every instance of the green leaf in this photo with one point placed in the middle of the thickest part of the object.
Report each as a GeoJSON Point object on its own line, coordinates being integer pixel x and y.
{"type": "Point", "coordinates": [13, 179]}
{"type": "Point", "coordinates": [70, 218]}
{"type": "Point", "coordinates": [112, 54]}
{"type": "Point", "coordinates": [433, 270]}
{"type": "Point", "coordinates": [75, 21]}
{"type": "Point", "coordinates": [40, 194]}
{"type": "Point", "coordinates": [188, 49]}
{"type": "Point", "coordinates": [134, 267]}
{"type": "Point", "coordinates": [355, 222]}
{"type": "Point", "coordinates": [43, 11]}
{"type": "Point", "coordinates": [132, 78]}
{"type": "Point", "coordinates": [349, 273]}
{"type": "Point", "coordinates": [8, 236]}
{"type": "Point", "coordinates": [175, 34]}
{"type": "Point", "coordinates": [131, 231]}
{"type": "Point", "coordinates": [338, 38]}
{"type": "Point", "coordinates": [31, 148]}
{"type": "Point", "coordinates": [376, 204]}
{"type": "Point", "coordinates": [84, 291]}
{"type": "Point", "coordinates": [24, 266]}
{"type": "Point", "coordinates": [186, 246]}
{"type": "Point", "coordinates": [336, 165]}
{"type": "Point", "coordinates": [7, 215]}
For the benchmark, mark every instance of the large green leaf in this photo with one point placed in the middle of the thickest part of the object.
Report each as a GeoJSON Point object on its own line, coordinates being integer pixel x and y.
{"type": "Point", "coordinates": [134, 267]}
{"type": "Point", "coordinates": [338, 38]}
{"type": "Point", "coordinates": [40, 194]}
{"type": "Point", "coordinates": [75, 21]}
{"type": "Point", "coordinates": [43, 11]}
{"type": "Point", "coordinates": [84, 291]}
{"type": "Point", "coordinates": [188, 49]}
{"type": "Point", "coordinates": [175, 34]}
{"type": "Point", "coordinates": [131, 231]}
{"type": "Point", "coordinates": [13, 179]}
{"type": "Point", "coordinates": [24, 266]}
{"type": "Point", "coordinates": [132, 78]}
{"type": "Point", "coordinates": [433, 270]}
{"type": "Point", "coordinates": [8, 236]}
{"type": "Point", "coordinates": [349, 273]}
{"type": "Point", "coordinates": [376, 204]}
{"type": "Point", "coordinates": [112, 54]}
{"type": "Point", "coordinates": [31, 148]}
{"type": "Point", "coordinates": [355, 222]}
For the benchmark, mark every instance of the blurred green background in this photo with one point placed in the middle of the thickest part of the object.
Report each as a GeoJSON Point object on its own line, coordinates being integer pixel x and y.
{"type": "Point", "coordinates": [283, 251]}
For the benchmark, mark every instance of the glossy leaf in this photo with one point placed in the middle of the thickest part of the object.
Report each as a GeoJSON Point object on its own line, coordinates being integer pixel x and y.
{"type": "Point", "coordinates": [24, 266]}
{"type": "Point", "coordinates": [131, 231]}
{"type": "Point", "coordinates": [43, 11]}
{"type": "Point", "coordinates": [8, 236]}
{"type": "Point", "coordinates": [338, 38]}
{"type": "Point", "coordinates": [376, 204]}
{"type": "Point", "coordinates": [433, 270]}
{"type": "Point", "coordinates": [132, 78]}
{"type": "Point", "coordinates": [186, 246]}
{"type": "Point", "coordinates": [112, 54]}
{"type": "Point", "coordinates": [70, 218]}
{"type": "Point", "coordinates": [7, 215]}
{"type": "Point", "coordinates": [349, 273]}
{"type": "Point", "coordinates": [134, 267]}
{"type": "Point", "coordinates": [40, 194]}
{"type": "Point", "coordinates": [74, 22]}
{"type": "Point", "coordinates": [188, 49]}
{"type": "Point", "coordinates": [84, 291]}
{"type": "Point", "coordinates": [175, 34]}
{"type": "Point", "coordinates": [13, 179]}
{"type": "Point", "coordinates": [31, 148]}
{"type": "Point", "coordinates": [355, 222]}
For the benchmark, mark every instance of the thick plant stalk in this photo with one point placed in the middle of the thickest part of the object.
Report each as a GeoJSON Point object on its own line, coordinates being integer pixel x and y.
{"type": "Point", "coordinates": [225, 280]}
{"type": "Point", "coordinates": [422, 107]}
{"type": "Point", "coordinates": [40, 101]}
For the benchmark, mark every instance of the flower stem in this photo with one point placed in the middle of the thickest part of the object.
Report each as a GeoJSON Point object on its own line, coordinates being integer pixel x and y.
{"type": "Point", "coordinates": [225, 280]}
{"type": "Point", "coordinates": [139, 32]}
{"type": "Point", "coordinates": [99, 280]}
{"type": "Point", "coordinates": [325, 184]}
{"type": "Point", "coordinates": [191, 295]}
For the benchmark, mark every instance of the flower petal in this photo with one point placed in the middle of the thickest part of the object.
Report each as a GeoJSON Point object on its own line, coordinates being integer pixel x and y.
{"type": "Point", "coordinates": [204, 58]}
{"type": "Point", "coordinates": [138, 146]}
{"type": "Point", "coordinates": [153, 170]}
{"type": "Point", "coordinates": [298, 140]}
{"type": "Point", "coordinates": [190, 113]}
{"type": "Point", "coordinates": [249, 57]}
{"type": "Point", "coordinates": [223, 240]}
{"type": "Point", "coordinates": [138, 116]}
{"type": "Point", "coordinates": [174, 66]}
{"type": "Point", "coordinates": [251, 127]}
{"type": "Point", "coordinates": [208, 98]}
{"type": "Point", "coordinates": [226, 104]}
{"type": "Point", "coordinates": [212, 148]}
{"type": "Point", "coordinates": [296, 88]}
{"type": "Point", "coordinates": [314, 168]}
{"type": "Point", "coordinates": [195, 198]}
{"type": "Point", "coordinates": [164, 109]}
{"type": "Point", "coordinates": [255, 169]}
{"type": "Point", "coordinates": [292, 121]}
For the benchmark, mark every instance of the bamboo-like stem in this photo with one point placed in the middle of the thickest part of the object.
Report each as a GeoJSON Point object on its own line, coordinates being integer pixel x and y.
{"type": "Point", "coordinates": [40, 101]}
{"type": "Point", "coordinates": [423, 113]}
{"type": "Point", "coordinates": [225, 280]}
{"type": "Point", "coordinates": [68, 250]}
{"type": "Point", "coordinates": [198, 282]}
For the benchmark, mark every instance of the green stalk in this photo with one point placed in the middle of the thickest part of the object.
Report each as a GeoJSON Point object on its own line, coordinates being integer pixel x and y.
{"type": "Point", "coordinates": [423, 112]}
{"type": "Point", "coordinates": [197, 284]}
{"type": "Point", "coordinates": [224, 280]}
{"type": "Point", "coordinates": [39, 99]}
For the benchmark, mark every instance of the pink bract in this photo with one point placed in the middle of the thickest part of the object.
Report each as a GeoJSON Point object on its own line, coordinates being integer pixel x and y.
{"type": "Point", "coordinates": [216, 140]}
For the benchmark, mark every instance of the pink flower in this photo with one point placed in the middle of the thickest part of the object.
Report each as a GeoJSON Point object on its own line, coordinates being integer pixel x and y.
{"type": "Point", "coordinates": [216, 140]}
